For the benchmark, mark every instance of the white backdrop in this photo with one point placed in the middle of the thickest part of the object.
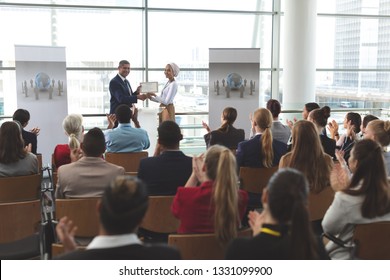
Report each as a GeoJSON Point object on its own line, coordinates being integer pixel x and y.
{"type": "Point", "coordinates": [41, 89]}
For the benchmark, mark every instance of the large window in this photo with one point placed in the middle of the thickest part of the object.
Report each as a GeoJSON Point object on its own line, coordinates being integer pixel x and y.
{"type": "Point", "coordinates": [353, 46]}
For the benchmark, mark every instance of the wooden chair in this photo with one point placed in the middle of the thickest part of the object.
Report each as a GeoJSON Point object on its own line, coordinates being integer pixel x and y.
{"type": "Point", "coordinates": [369, 241]}
{"type": "Point", "coordinates": [130, 161]}
{"type": "Point", "coordinates": [372, 241]}
{"type": "Point", "coordinates": [19, 238]}
{"type": "Point", "coordinates": [255, 179]}
{"type": "Point", "coordinates": [203, 246]}
{"type": "Point", "coordinates": [319, 203]}
{"type": "Point", "coordinates": [158, 217]}
{"type": "Point", "coordinates": [19, 219]}
{"type": "Point", "coordinates": [40, 164]}
{"type": "Point", "coordinates": [83, 213]}
{"type": "Point", "coordinates": [20, 188]}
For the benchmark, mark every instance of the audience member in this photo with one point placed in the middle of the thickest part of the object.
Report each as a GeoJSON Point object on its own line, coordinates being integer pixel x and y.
{"type": "Point", "coordinates": [125, 138]}
{"type": "Point", "coordinates": [227, 135]}
{"type": "Point", "coordinates": [282, 231]}
{"type": "Point", "coordinates": [307, 108]}
{"type": "Point", "coordinates": [29, 137]}
{"type": "Point", "coordinates": [88, 176]}
{"type": "Point", "coordinates": [73, 127]}
{"type": "Point", "coordinates": [262, 150]}
{"type": "Point", "coordinates": [320, 119]}
{"type": "Point", "coordinates": [121, 209]}
{"type": "Point", "coordinates": [352, 122]}
{"type": "Point", "coordinates": [307, 156]}
{"type": "Point", "coordinates": [217, 205]}
{"type": "Point", "coordinates": [15, 158]}
{"type": "Point", "coordinates": [364, 198]}
{"type": "Point", "coordinates": [379, 131]}
{"type": "Point", "coordinates": [366, 120]}
{"type": "Point", "coordinates": [280, 131]}
{"type": "Point", "coordinates": [165, 172]}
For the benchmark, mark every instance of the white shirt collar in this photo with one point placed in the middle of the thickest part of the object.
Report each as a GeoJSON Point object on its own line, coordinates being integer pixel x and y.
{"type": "Point", "coordinates": [111, 241]}
{"type": "Point", "coordinates": [123, 78]}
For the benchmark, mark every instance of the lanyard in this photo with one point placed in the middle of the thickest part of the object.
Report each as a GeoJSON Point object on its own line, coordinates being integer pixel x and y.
{"type": "Point", "coordinates": [271, 232]}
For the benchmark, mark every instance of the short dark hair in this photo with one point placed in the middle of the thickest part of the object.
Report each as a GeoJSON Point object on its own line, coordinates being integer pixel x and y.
{"type": "Point", "coordinates": [123, 113]}
{"type": "Point", "coordinates": [169, 134]}
{"type": "Point", "coordinates": [123, 62]}
{"type": "Point", "coordinates": [367, 119]}
{"type": "Point", "coordinates": [22, 116]}
{"type": "Point", "coordinates": [123, 205]}
{"type": "Point", "coordinates": [274, 106]}
{"type": "Point", "coordinates": [311, 106]}
{"type": "Point", "coordinates": [94, 143]}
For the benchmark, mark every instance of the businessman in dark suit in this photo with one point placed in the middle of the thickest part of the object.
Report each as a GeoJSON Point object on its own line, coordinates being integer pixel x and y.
{"type": "Point", "coordinates": [29, 137]}
{"type": "Point", "coordinates": [121, 91]}
{"type": "Point", "coordinates": [121, 210]}
{"type": "Point", "coordinates": [170, 168]}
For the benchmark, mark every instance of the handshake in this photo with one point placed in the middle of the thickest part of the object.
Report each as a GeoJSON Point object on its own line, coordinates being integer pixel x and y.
{"type": "Point", "coordinates": [144, 96]}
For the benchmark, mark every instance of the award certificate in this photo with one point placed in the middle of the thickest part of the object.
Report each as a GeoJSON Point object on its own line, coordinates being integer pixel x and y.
{"type": "Point", "coordinates": [149, 87]}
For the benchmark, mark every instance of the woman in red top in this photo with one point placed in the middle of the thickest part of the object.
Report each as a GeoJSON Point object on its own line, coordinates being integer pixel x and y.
{"type": "Point", "coordinates": [73, 126]}
{"type": "Point", "coordinates": [216, 205]}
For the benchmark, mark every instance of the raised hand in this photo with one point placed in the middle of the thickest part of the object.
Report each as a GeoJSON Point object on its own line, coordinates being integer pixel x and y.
{"type": "Point", "coordinates": [35, 130]}
{"type": "Point", "coordinates": [339, 177]}
{"type": "Point", "coordinates": [256, 220]}
{"type": "Point", "coordinates": [66, 231]}
{"type": "Point", "coordinates": [206, 126]}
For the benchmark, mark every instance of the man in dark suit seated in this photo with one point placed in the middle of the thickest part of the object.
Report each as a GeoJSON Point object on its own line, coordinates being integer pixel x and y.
{"type": "Point", "coordinates": [170, 167]}
{"type": "Point", "coordinates": [121, 210]}
{"type": "Point", "coordinates": [29, 137]}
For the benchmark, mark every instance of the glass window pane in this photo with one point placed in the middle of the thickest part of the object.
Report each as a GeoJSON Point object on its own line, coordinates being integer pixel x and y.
{"type": "Point", "coordinates": [89, 35]}
{"type": "Point", "coordinates": [124, 3]}
{"type": "Point", "coordinates": [188, 45]}
{"type": "Point", "coordinates": [357, 7]}
{"type": "Point", "coordinates": [357, 89]}
{"type": "Point", "coordinates": [247, 5]}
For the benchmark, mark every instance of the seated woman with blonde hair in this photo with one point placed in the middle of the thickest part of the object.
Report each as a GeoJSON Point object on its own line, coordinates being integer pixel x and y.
{"type": "Point", "coordinates": [73, 127]}
{"type": "Point", "coordinates": [379, 131]}
{"type": "Point", "coordinates": [15, 158]}
{"type": "Point", "coordinates": [216, 205]}
{"type": "Point", "coordinates": [262, 150]}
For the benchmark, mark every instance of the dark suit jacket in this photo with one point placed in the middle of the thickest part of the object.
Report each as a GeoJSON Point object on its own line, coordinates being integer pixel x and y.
{"type": "Point", "coordinates": [164, 173]}
{"type": "Point", "coordinates": [129, 252]}
{"type": "Point", "coordinates": [229, 139]}
{"type": "Point", "coordinates": [120, 94]}
{"type": "Point", "coordinates": [28, 138]}
{"type": "Point", "coordinates": [249, 152]}
{"type": "Point", "coordinates": [328, 144]}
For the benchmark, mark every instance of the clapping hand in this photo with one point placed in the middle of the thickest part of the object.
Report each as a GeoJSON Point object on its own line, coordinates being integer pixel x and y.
{"type": "Point", "coordinates": [35, 130]}
{"type": "Point", "coordinates": [66, 231]}
{"type": "Point", "coordinates": [76, 154]}
{"type": "Point", "coordinates": [111, 118]}
{"type": "Point", "coordinates": [256, 221]}
{"type": "Point", "coordinates": [206, 126]}
{"type": "Point", "coordinates": [339, 177]}
{"type": "Point", "coordinates": [28, 148]}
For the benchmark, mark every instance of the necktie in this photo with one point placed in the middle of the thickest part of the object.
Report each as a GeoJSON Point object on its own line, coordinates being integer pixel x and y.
{"type": "Point", "coordinates": [128, 86]}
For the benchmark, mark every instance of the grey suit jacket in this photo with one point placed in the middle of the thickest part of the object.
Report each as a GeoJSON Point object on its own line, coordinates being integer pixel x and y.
{"type": "Point", "coordinates": [87, 177]}
{"type": "Point", "coordinates": [280, 132]}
